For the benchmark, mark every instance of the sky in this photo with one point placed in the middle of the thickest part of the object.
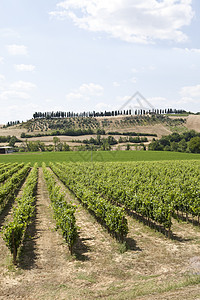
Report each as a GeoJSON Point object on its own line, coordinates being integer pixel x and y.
{"type": "Point", "coordinates": [85, 55]}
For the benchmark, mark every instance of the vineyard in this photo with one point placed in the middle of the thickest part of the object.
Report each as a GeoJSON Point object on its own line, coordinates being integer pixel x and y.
{"type": "Point", "coordinates": [116, 229]}
{"type": "Point", "coordinates": [155, 192]}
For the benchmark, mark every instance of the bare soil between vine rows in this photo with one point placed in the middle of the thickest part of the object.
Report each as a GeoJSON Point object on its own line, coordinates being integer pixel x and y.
{"type": "Point", "coordinates": [152, 268]}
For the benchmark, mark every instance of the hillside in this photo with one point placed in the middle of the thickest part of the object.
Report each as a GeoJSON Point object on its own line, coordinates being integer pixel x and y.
{"type": "Point", "coordinates": [193, 122]}
{"type": "Point", "coordinates": [157, 125]}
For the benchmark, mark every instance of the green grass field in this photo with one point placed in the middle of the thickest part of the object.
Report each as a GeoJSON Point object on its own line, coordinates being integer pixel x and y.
{"type": "Point", "coordinates": [86, 156]}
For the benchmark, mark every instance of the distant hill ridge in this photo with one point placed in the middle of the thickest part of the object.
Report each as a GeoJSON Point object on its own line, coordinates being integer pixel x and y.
{"type": "Point", "coordinates": [151, 124]}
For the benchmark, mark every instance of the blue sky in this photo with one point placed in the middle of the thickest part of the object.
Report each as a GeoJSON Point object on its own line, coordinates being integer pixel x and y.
{"type": "Point", "coordinates": [78, 55]}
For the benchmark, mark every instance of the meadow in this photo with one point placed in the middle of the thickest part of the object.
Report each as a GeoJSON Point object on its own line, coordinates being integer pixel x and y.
{"type": "Point", "coordinates": [96, 156]}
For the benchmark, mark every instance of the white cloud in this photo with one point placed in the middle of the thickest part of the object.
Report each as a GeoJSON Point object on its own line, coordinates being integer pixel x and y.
{"type": "Point", "coordinates": [17, 49]}
{"type": "Point", "coordinates": [140, 21]}
{"type": "Point", "coordinates": [48, 100]}
{"type": "Point", "coordinates": [137, 102]}
{"type": "Point", "coordinates": [91, 89]}
{"type": "Point", "coordinates": [2, 83]}
{"type": "Point", "coordinates": [9, 33]}
{"type": "Point", "coordinates": [14, 111]}
{"type": "Point", "coordinates": [158, 101]}
{"type": "Point", "coordinates": [12, 94]}
{"type": "Point", "coordinates": [190, 91]}
{"type": "Point", "coordinates": [152, 68]}
{"type": "Point", "coordinates": [85, 92]}
{"type": "Point", "coordinates": [193, 50]}
{"type": "Point", "coordinates": [2, 77]}
{"type": "Point", "coordinates": [1, 59]}
{"type": "Point", "coordinates": [134, 70]}
{"type": "Point", "coordinates": [19, 90]}
{"type": "Point", "coordinates": [190, 95]}
{"type": "Point", "coordinates": [74, 96]}
{"type": "Point", "coordinates": [116, 84]}
{"type": "Point", "coordinates": [187, 50]}
{"type": "Point", "coordinates": [103, 106]}
{"type": "Point", "coordinates": [22, 85]}
{"type": "Point", "coordinates": [22, 67]}
{"type": "Point", "coordinates": [133, 79]}
{"type": "Point", "coordinates": [122, 99]}
{"type": "Point", "coordinates": [143, 69]}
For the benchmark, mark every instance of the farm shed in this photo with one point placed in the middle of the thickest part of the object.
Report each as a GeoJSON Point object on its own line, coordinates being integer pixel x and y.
{"type": "Point", "coordinates": [6, 150]}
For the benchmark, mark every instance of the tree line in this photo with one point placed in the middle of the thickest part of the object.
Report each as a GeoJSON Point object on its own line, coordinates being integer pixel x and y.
{"type": "Point", "coordinates": [62, 114]}
{"type": "Point", "coordinates": [186, 142]}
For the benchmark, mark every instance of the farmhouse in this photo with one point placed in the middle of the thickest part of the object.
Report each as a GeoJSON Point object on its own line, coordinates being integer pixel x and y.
{"type": "Point", "coordinates": [6, 150]}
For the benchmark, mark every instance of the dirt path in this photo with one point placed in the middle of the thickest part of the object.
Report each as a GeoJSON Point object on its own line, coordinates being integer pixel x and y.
{"type": "Point", "coordinates": [43, 257]}
{"type": "Point", "coordinates": [100, 268]}
{"type": "Point", "coordinates": [46, 268]}
{"type": "Point", "coordinates": [91, 233]}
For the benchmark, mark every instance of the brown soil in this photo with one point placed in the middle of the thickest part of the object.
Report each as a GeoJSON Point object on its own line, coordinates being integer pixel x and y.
{"type": "Point", "coordinates": [193, 122]}
{"type": "Point", "coordinates": [152, 268]}
{"type": "Point", "coordinates": [14, 130]}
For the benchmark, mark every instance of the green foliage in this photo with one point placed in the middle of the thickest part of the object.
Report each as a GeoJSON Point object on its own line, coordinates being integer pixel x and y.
{"type": "Point", "coordinates": [194, 144]}
{"type": "Point", "coordinates": [66, 147]}
{"type": "Point", "coordinates": [11, 171]}
{"type": "Point", "coordinates": [13, 232]}
{"type": "Point", "coordinates": [12, 185]}
{"type": "Point", "coordinates": [131, 133]}
{"type": "Point", "coordinates": [110, 215]}
{"type": "Point", "coordinates": [35, 146]}
{"type": "Point", "coordinates": [64, 213]}
{"type": "Point", "coordinates": [12, 141]}
{"type": "Point", "coordinates": [153, 190]}
{"type": "Point", "coordinates": [100, 141]}
{"type": "Point", "coordinates": [9, 139]}
{"type": "Point", "coordinates": [4, 167]}
{"type": "Point", "coordinates": [56, 140]}
{"type": "Point", "coordinates": [66, 132]}
{"type": "Point", "coordinates": [186, 142]}
{"type": "Point", "coordinates": [155, 146]}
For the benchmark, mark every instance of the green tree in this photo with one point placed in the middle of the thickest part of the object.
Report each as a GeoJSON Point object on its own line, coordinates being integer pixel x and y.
{"type": "Point", "coordinates": [66, 147]}
{"type": "Point", "coordinates": [111, 140]}
{"type": "Point", "coordinates": [174, 146]}
{"type": "Point", "coordinates": [98, 139]}
{"type": "Point", "coordinates": [182, 146]}
{"type": "Point", "coordinates": [194, 145]}
{"type": "Point", "coordinates": [167, 148]}
{"type": "Point", "coordinates": [56, 140]}
{"type": "Point", "coordinates": [23, 135]}
{"type": "Point", "coordinates": [60, 147]}
{"type": "Point", "coordinates": [49, 148]}
{"type": "Point", "coordinates": [35, 146]}
{"type": "Point", "coordinates": [12, 141]}
{"type": "Point", "coordinates": [155, 146]}
{"type": "Point", "coordinates": [105, 145]}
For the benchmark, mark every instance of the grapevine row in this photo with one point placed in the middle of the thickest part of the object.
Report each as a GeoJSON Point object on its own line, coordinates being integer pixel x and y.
{"type": "Point", "coordinates": [5, 167]}
{"type": "Point", "coordinates": [9, 172]}
{"type": "Point", "coordinates": [11, 186]}
{"type": "Point", "coordinates": [144, 203]}
{"type": "Point", "coordinates": [64, 213]}
{"type": "Point", "coordinates": [153, 190]}
{"type": "Point", "coordinates": [23, 211]}
{"type": "Point", "coordinates": [110, 215]}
